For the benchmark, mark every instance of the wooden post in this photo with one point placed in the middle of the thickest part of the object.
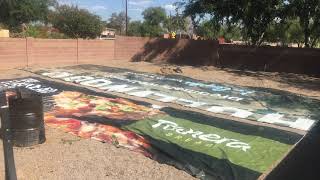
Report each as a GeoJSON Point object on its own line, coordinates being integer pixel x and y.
{"type": "Point", "coordinates": [10, 168]}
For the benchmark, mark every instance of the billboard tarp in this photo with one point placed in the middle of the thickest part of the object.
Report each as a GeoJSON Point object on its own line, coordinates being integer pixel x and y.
{"type": "Point", "coordinates": [206, 147]}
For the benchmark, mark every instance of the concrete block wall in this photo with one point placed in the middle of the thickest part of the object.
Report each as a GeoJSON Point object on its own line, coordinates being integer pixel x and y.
{"type": "Point", "coordinates": [13, 53]}
{"type": "Point", "coordinates": [51, 51]}
{"type": "Point", "coordinates": [273, 59]}
{"type": "Point", "coordinates": [127, 47]}
{"type": "Point", "coordinates": [22, 52]}
{"type": "Point", "coordinates": [95, 50]}
{"type": "Point", "coordinates": [16, 52]}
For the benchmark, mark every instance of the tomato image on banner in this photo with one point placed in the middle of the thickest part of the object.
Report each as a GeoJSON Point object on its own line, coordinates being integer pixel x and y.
{"type": "Point", "coordinates": [100, 132]}
{"type": "Point", "coordinates": [69, 103]}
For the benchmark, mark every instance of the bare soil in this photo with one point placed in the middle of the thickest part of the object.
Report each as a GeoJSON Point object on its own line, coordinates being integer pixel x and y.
{"type": "Point", "coordinates": [64, 156]}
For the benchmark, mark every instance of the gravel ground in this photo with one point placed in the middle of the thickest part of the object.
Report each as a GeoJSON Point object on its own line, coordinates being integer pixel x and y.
{"type": "Point", "coordinates": [65, 156]}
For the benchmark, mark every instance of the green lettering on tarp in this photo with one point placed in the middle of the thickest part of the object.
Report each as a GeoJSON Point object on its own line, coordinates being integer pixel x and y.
{"type": "Point", "coordinates": [204, 145]}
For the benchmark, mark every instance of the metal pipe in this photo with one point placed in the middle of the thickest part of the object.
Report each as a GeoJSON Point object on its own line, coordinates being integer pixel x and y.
{"type": "Point", "coordinates": [10, 168]}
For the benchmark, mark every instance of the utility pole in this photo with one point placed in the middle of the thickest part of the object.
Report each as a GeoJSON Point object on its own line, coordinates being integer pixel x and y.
{"type": "Point", "coordinates": [170, 23]}
{"type": "Point", "coordinates": [126, 17]}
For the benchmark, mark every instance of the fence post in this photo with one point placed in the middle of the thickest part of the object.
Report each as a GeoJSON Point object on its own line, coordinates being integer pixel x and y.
{"type": "Point", "coordinates": [29, 49]}
{"type": "Point", "coordinates": [77, 50]}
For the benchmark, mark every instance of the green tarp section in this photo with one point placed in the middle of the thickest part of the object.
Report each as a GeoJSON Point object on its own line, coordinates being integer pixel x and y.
{"type": "Point", "coordinates": [222, 149]}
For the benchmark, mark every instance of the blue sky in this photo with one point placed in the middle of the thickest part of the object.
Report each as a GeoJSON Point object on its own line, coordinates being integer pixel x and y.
{"type": "Point", "coordinates": [105, 8]}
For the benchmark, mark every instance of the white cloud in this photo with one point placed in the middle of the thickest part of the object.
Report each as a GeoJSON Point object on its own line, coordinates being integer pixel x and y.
{"type": "Point", "coordinates": [135, 9]}
{"type": "Point", "coordinates": [62, 2]}
{"type": "Point", "coordinates": [170, 7]}
{"type": "Point", "coordinates": [68, 2]}
{"type": "Point", "coordinates": [140, 3]}
{"type": "Point", "coordinates": [84, 6]}
{"type": "Point", "coordinates": [97, 8]}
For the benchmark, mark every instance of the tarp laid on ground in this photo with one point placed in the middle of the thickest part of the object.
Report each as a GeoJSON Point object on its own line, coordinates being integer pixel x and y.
{"type": "Point", "coordinates": [206, 147]}
{"type": "Point", "coordinates": [258, 104]}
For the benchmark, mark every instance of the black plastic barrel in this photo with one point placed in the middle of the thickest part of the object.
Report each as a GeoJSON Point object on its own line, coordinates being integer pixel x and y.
{"type": "Point", "coordinates": [26, 119]}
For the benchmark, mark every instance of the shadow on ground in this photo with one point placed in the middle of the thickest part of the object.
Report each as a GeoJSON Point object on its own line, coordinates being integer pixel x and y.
{"type": "Point", "coordinates": [294, 80]}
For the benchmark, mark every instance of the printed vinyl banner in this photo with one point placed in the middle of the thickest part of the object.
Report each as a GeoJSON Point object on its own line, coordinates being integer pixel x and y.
{"type": "Point", "coordinates": [206, 147]}
{"type": "Point", "coordinates": [259, 104]}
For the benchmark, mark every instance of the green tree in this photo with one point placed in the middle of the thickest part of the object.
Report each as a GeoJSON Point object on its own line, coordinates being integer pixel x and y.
{"type": "Point", "coordinates": [135, 28]}
{"type": "Point", "coordinates": [208, 30]}
{"type": "Point", "coordinates": [76, 23]}
{"type": "Point", "coordinates": [176, 23]}
{"type": "Point", "coordinates": [14, 13]}
{"type": "Point", "coordinates": [254, 16]}
{"type": "Point", "coordinates": [39, 31]}
{"type": "Point", "coordinates": [308, 12]}
{"type": "Point", "coordinates": [154, 15]}
{"type": "Point", "coordinates": [154, 20]}
{"type": "Point", "coordinates": [232, 32]}
{"type": "Point", "coordinates": [148, 30]}
{"type": "Point", "coordinates": [118, 22]}
{"type": "Point", "coordinates": [295, 32]}
{"type": "Point", "coordinates": [285, 32]}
